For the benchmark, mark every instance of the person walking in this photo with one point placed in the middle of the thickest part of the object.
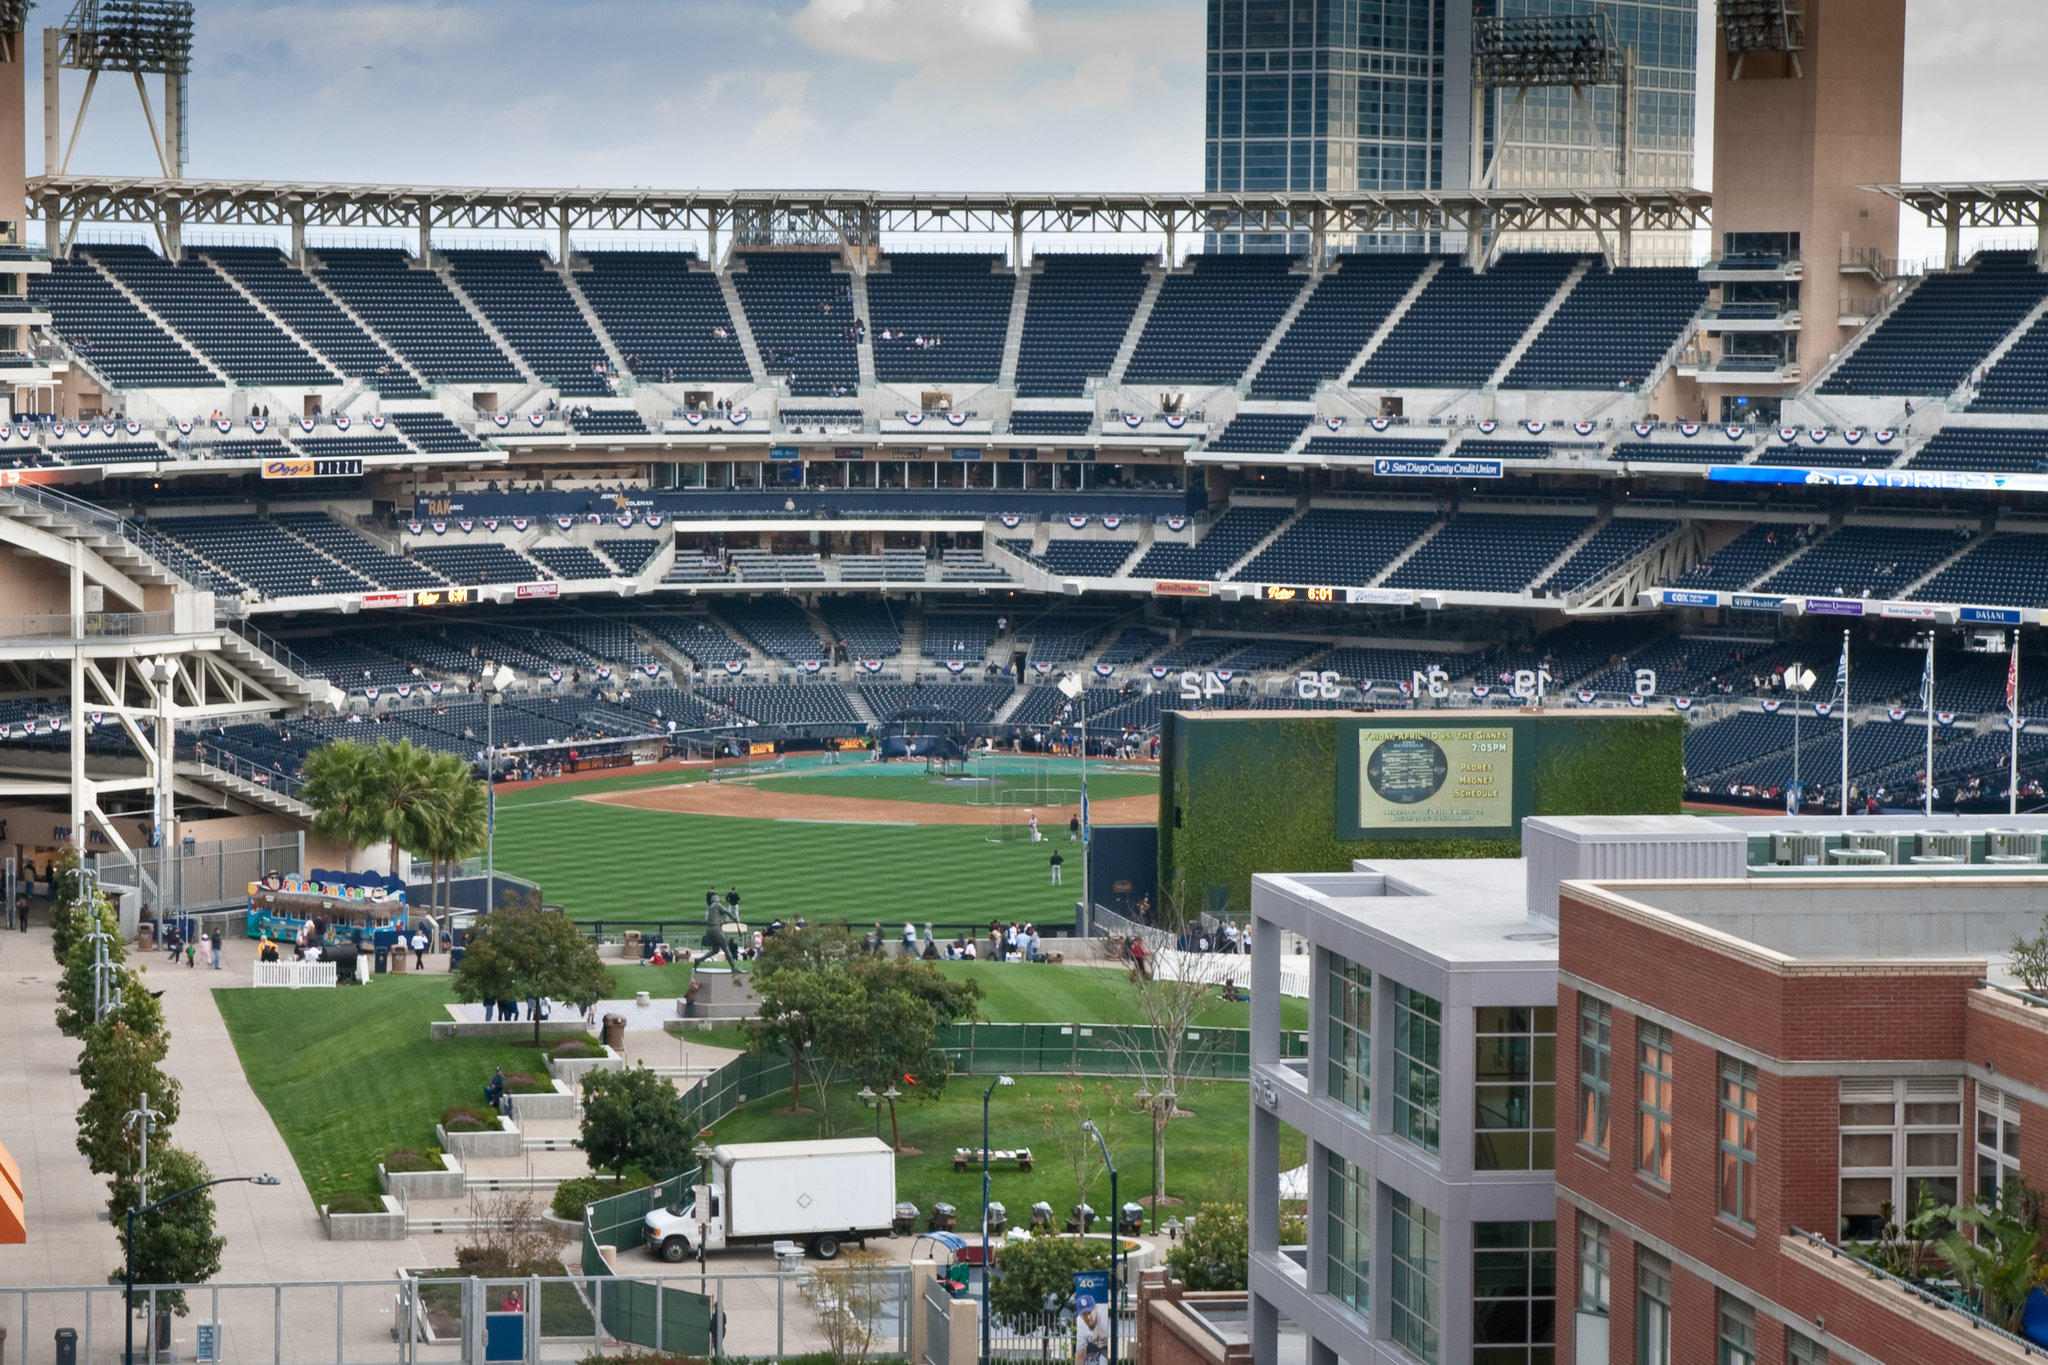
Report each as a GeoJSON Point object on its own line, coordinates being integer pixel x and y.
{"type": "Point", "coordinates": [21, 911]}
{"type": "Point", "coordinates": [1035, 835]}
{"type": "Point", "coordinates": [909, 939]}
{"type": "Point", "coordinates": [419, 949]}
{"type": "Point", "coordinates": [1074, 830]}
{"type": "Point", "coordinates": [1058, 863]}
{"type": "Point", "coordinates": [213, 942]}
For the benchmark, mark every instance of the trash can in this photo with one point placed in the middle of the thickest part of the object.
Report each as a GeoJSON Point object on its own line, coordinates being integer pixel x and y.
{"type": "Point", "coordinates": [630, 945]}
{"type": "Point", "coordinates": [67, 1346]}
{"type": "Point", "coordinates": [1131, 1217]}
{"type": "Point", "coordinates": [145, 936]}
{"type": "Point", "coordinates": [647, 947]}
{"type": "Point", "coordinates": [902, 1225]}
{"type": "Point", "coordinates": [998, 1216]}
{"type": "Point", "coordinates": [615, 1032]}
{"type": "Point", "coordinates": [383, 960]}
{"type": "Point", "coordinates": [944, 1218]}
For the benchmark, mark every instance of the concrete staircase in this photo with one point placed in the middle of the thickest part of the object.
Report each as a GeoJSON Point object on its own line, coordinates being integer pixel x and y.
{"type": "Point", "coordinates": [241, 788]}
{"type": "Point", "coordinates": [279, 323]}
{"type": "Point", "coordinates": [1398, 560]}
{"type": "Point", "coordinates": [591, 320]}
{"type": "Point", "coordinates": [1300, 506]}
{"type": "Point", "coordinates": [1139, 317]}
{"type": "Point", "coordinates": [1387, 325]}
{"type": "Point", "coordinates": [1578, 542]}
{"type": "Point", "coordinates": [447, 277]}
{"type": "Point", "coordinates": [1535, 328]}
{"type": "Point", "coordinates": [1013, 339]}
{"type": "Point", "coordinates": [135, 301]}
{"type": "Point", "coordinates": [741, 328]}
{"type": "Point", "coordinates": [353, 316]}
{"type": "Point", "coordinates": [857, 285]}
{"type": "Point", "coordinates": [1967, 391]}
{"type": "Point", "coordinates": [1265, 352]}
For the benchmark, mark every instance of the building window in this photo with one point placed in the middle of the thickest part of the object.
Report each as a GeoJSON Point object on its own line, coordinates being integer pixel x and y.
{"type": "Point", "coordinates": [1595, 1272]}
{"type": "Point", "coordinates": [1515, 1063]}
{"type": "Point", "coordinates": [1418, 1067]}
{"type": "Point", "coordinates": [1348, 1033]}
{"type": "Point", "coordinates": [1347, 1262]}
{"type": "Point", "coordinates": [1737, 1334]}
{"type": "Point", "coordinates": [1738, 1142]}
{"type": "Point", "coordinates": [1653, 1102]}
{"type": "Point", "coordinates": [1653, 1310]}
{"type": "Point", "coordinates": [1901, 1142]}
{"type": "Point", "coordinates": [1802, 1350]}
{"type": "Point", "coordinates": [1998, 1140]}
{"type": "Point", "coordinates": [1415, 1263]}
{"type": "Point", "coordinates": [1514, 1292]}
{"type": "Point", "coordinates": [1596, 1061]}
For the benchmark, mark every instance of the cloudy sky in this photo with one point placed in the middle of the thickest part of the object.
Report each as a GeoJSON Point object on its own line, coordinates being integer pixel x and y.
{"type": "Point", "coordinates": [903, 94]}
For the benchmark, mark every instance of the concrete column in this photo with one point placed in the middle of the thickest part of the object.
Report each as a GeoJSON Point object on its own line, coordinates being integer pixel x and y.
{"type": "Point", "coordinates": [1265, 991]}
{"type": "Point", "coordinates": [1952, 236]}
{"type": "Point", "coordinates": [1169, 246]}
{"type": "Point", "coordinates": [426, 237]}
{"type": "Point", "coordinates": [562, 239]}
{"type": "Point", "coordinates": [299, 238]}
{"type": "Point", "coordinates": [1265, 1332]}
{"type": "Point", "coordinates": [79, 795]}
{"type": "Point", "coordinates": [174, 234]}
{"type": "Point", "coordinates": [1264, 1172]}
{"type": "Point", "coordinates": [52, 101]}
{"type": "Point", "coordinates": [2041, 235]}
{"type": "Point", "coordinates": [1319, 1354]}
{"type": "Point", "coordinates": [1017, 240]}
{"type": "Point", "coordinates": [711, 238]}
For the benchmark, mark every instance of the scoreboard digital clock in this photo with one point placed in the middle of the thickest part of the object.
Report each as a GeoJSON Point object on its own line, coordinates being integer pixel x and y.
{"type": "Point", "coordinates": [1275, 592]}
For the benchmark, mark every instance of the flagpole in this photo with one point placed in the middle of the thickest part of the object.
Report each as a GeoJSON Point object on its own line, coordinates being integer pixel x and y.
{"type": "Point", "coordinates": [2012, 707]}
{"type": "Point", "coordinates": [1845, 723]}
{"type": "Point", "coordinates": [1927, 785]}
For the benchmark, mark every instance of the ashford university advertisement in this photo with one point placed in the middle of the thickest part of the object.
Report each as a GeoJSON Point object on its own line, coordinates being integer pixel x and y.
{"type": "Point", "coordinates": [1430, 780]}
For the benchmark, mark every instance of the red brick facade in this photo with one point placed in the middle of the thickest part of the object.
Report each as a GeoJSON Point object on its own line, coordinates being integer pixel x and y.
{"type": "Point", "coordinates": [1787, 1015]}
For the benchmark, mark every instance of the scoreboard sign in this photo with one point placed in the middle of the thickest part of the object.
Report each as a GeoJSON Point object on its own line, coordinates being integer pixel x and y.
{"type": "Point", "coordinates": [1426, 780]}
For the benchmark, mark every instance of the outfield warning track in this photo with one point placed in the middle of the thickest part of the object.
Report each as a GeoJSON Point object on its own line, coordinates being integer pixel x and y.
{"type": "Point", "coordinates": [744, 802]}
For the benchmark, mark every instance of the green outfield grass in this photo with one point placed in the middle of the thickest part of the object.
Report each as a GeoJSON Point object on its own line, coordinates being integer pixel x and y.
{"type": "Point", "coordinates": [906, 782]}
{"type": "Point", "coordinates": [615, 862]}
{"type": "Point", "coordinates": [1024, 993]}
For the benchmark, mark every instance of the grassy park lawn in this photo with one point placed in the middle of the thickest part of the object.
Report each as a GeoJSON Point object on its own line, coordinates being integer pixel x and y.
{"type": "Point", "coordinates": [1205, 1150]}
{"type": "Point", "coordinates": [1027, 993]}
{"type": "Point", "coordinates": [616, 862]}
{"type": "Point", "coordinates": [349, 1074]}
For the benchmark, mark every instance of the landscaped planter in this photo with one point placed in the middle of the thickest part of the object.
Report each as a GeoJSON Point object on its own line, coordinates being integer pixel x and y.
{"type": "Point", "coordinates": [388, 1226]}
{"type": "Point", "coordinates": [506, 1141]}
{"type": "Point", "coordinates": [569, 1025]}
{"type": "Point", "coordinates": [559, 1103]}
{"type": "Point", "coordinates": [574, 1069]}
{"type": "Point", "coordinates": [441, 1184]}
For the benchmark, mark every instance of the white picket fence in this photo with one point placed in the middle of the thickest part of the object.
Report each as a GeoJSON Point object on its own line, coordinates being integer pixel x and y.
{"type": "Point", "coordinates": [295, 974]}
{"type": "Point", "coordinates": [1175, 965]}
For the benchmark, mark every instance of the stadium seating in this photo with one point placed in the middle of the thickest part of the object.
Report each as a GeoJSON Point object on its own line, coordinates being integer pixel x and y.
{"type": "Point", "coordinates": [358, 551]}
{"type": "Point", "coordinates": [664, 314]}
{"type": "Point", "coordinates": [111, 334]}
{"type": "Point", "coordinates": [1746, 558]}
{"type": "Point", "coordinates": [1130, 645]}
{"type": "Point", "coordinates": [484, 562]}
{"type": "Point", "coordinates": [1462, 325]}
{"type": "Point", "coordinates": [411, 309]}
{"type": "Point", "coordinates": [777, 626]}
{"type": "Point", "coordinates": [1612, 329]}
{"type": "Point", "coordinates": [1259, 433]}
{"type": "Point", "coordinates": [631, 555]}
{"type": "Point", "coordinates": [1875, 561]}
{"type": "Point", "coordinates": [765, 566]}
{"type": "Point", "coordinates": [212, 317]}
{"type": "Point", "coordinates": [968, 566]}
{"type": "Point", "coordinates": [261, 554]}
{"type": "Point", "coordinates": [1868, 455]}
{"type": "Point", "coordinates": [286, 291]}
{"type": "Point", "coordinates": [829, 419]}
{"type": "Point", "coordinates": [1339, 546]}
{"type": "Point", "coordinates": [1932, 341]}
{"type": "Point", "coordinates": [433, 433]}
{"type": "Point", "coordinates": [1402, 447]}
{"type": "Point", "coordinates": [1620, 540]}
{"type": "Point", "coordinates": [330, 447]}
{"type": "Point", "coordinates": [612, 641]}
{"type": "Point", "coordinates": [1028, 423]}
{"type": "Point", "coordinates": [111, 452]}
{"type": "Point", "coordinates": [958, 635]}
{"type": "Point", "coordinates": [606, 422]}
{"type": "Point", "coordinates": [699, 638]}
{"type": "Point", "coordinates": [889, 566]}
{"type": "Point", "coordinates": [1230, 537]}
{"type": "Point", "coordinates": [787, 704]}
{"type": "Point", "coordinates": [2019, 381]}
{"type": "Point", "coordinates": [1506, 448]}
{"type": "Point", "coordinates": [1075, 318]}
{"type": "Point", "coordinates": [1673, 451]}
{"type": "Point", "coordinates": [2009, 569]}
{"type": "Point", "coordinates": [960, 301]}
{"type": "Point", "coordinates": [525, 299]}
{"type": "Point", "coordinates": [1211, 318]}
{"type": "Point", "coordinates": [973, 703]}
{"type": "Point", "coordinates": [1077, 558]}
{"type": "Point", "coordinates": [1986, 449]}
{"type": "Point", "coordinates": [570, 561]}
{"type": "Point", "coordinates": [1719, 745]}
{"type": "Point", "coordinates": [1488, 551]}
{"type": "Point", "coordinates": [801, 312]}
{"type": "Point", "coordinates": [1349, 304]}
{"type": "Point", "coordinates": [863, 626]}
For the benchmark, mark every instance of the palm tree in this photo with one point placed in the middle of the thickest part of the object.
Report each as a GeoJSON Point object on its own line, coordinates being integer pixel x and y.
{"type": "Point", "coordinates": [452, 827]}
{"type": "Point", "coordinates": [339, 788]}
{"type": "Point", "coordinates": [404, 787]}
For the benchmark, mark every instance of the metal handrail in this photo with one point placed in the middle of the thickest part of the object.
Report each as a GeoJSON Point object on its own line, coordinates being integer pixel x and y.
{"type": "Point", "coordinates": [276, 649]}
{"type": "Point", "coordinates": [1926, 1296]}
{"type": "Point", "coordinates": [248, 770]}
{"type": "Point", "coordinates": [2016, 994]}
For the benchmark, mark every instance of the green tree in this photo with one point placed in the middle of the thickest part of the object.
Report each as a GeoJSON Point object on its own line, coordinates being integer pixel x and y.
{"type": "Point", "coordinates": [896, 1008]}
{"type": "Point", "coordinates": [634, 1118]}
{"type": "Point", "coordinates": [799, 1007]}
{"type": "Point", "coordinates": [407, 788]}
{"type": "Point", "coordinates": [119, 1066]}
{"type": "Point", "coordinates": [1214, 1249]}
{"type": "Point", "coordinates": [341, 790]}
{"type": "Point", "coordinates": [528, 954]}
{"type": "Point", "coordinates": [452, 826]}
{"type": "Point", "coordinates": [76, 990]}
{"type": "Point", "coordinates": [66, 896]}
{"type": "Point", "coordinates": [177, 1244]}
{"type": "Point", "coordinates": [1032, 1271]}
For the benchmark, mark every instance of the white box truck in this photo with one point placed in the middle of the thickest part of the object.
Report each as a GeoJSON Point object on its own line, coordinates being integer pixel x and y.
{"type": "Point", "coordinates": [822, 1194]}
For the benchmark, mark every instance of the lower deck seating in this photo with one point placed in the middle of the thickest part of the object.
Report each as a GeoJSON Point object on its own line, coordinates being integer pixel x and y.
{"type": "Point", "coordinates": [473, 565]}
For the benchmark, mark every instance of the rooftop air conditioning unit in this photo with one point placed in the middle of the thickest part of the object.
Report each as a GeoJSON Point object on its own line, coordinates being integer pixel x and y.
{"type": "Point", "coordinates": [2013, 843]}
{"type": "Point", "coordinates": [1798, 850]}
{"type": "Point", "coordinates": [1944, 845]}
{"type": "Point", "coordinates": [1895, 847]}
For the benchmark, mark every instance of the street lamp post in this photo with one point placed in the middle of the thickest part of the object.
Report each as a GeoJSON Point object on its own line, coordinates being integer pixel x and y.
{"type": "Point", "coordinates": [1116, 1236]}
{"type": "Point", "coordinates": [987, 1262]}
{"type": "Point", "coordinates": [161, 671]}
{"type": "Point", "coordinates": [128, 1271]}
{"type": "Point", "coordinates": [495, 684]}
{"type": "Point", "coordinates": [1799, 680]}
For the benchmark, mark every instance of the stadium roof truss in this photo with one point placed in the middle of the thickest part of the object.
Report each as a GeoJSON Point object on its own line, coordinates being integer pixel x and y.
{"type": "Point", "coordinates": [1977, 204]}
{"type": "Point", "coordinates": [855, 218]}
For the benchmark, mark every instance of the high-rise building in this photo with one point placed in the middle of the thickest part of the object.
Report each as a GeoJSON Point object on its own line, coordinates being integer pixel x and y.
{"type": "Point", "coordinates": [1377, 95]}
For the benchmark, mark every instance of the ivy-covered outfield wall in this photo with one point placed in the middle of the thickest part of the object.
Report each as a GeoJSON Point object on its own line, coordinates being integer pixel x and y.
{"type": "Point", "coordinates": [1245, 792]}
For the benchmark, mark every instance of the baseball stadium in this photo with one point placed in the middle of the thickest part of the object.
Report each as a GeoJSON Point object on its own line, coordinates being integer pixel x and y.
{"type": "Point", "coordinates": [687, 579]}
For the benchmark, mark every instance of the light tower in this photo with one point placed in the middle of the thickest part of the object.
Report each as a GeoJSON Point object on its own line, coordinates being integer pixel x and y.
{"type": "Point", "coordinates": [1537, 52]}
{"type": "Point", "coordinates": [139, 37]}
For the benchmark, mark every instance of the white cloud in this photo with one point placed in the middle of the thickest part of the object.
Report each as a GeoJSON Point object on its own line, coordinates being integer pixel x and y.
{"type": "Point", "coordinates": [915, 30]}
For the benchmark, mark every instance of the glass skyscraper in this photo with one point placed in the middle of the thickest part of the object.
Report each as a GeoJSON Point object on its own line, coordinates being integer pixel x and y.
{"type": "Point", "coordinates": [1377, 95]}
